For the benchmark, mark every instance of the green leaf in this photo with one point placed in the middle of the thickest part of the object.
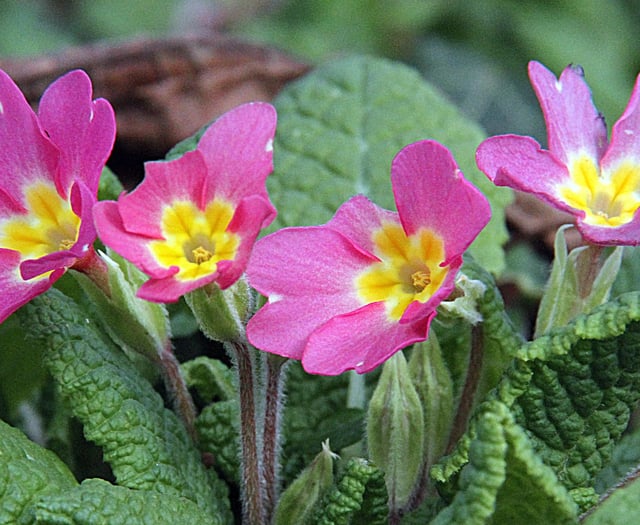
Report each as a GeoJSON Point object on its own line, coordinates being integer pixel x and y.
{"type": "Point", "coordinates": [505, 481]}
{"type": "Point", "coordinates": [27, 472]}
{"type": "Point", "coordinates": [96, 502]}
{"type": "Point", "coordinates": [146, 445]}
{"type": "Point", "coordinates": [619, 506]}
{"type": "Point", "coordinates": [339, 129]}
{"type": "Point", "coordinates": [360, 497]}
{"type": "Point", "coordinates": [218, 435]}
{"type": "Point", "coordinates": [110, 186]}
{"type": "Point", "coordinates": [210, 377]}
{"type": "Point", "coordinates": [625, 457]}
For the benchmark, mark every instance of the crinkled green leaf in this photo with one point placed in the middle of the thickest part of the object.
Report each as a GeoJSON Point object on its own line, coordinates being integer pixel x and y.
{"type": "Point", "coordinates": [625, 457]}
{"type": "Point", "coordinates": [218, 435]}
{"type": "Point", "coordinates": [146, 445]}
{"type": "Point", "coordinates": [96, 502]}
{"type": "Point", "coordinates": [573, 391]}
{"type": "Point", "coordinates": [27, 473]}
{"type": "Point", "coordinates": [210, 377]}
{"type": "Point", "coordinates": [339, 129]}
{"type": "Point", "coordinates": [359, 498]}
{"type": "Point", "coordinates": [505, 481]}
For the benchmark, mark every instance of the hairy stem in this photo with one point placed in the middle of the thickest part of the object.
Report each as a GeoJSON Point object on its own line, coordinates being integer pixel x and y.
{"type": "Point", "coordinates": [468, 392]}
{"type": "Point", "coordinates": [252, 493]}
{"type": "Point", "coordinates": [177, 389]}
{"type": "Point", "coordinates": [275, 371]}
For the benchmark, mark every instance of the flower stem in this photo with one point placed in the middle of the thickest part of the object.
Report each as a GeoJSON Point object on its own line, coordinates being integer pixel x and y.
{"type": "Point", "coordinates": [252, 493]}
{"type": "Point", "coordinates": [177, 388]}
{"type": "Point", "coordinates": [468, 392]}
{"type": "Point", "coordinates": [275, 371]}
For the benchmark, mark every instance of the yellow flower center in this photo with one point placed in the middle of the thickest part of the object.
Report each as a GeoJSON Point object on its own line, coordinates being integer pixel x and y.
{"type": "Point", "coordinates": [609, 200]}
{"type": "Point", "coordinates": [195, 240]}
{"type": "Point", "coordinates": [50, 225]}
{"type": "Point", "coordinates": [409, 269]}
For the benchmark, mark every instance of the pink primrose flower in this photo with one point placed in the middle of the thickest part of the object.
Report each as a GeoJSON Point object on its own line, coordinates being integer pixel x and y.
{"type": "Point", "coordinates": [193, 221]}
{"type": "Point", "coordinates": [351, 293]}
{"type": "Point", "coordinates": [582, 173]}
{"type": "Point", "coordinates": [51, 164]}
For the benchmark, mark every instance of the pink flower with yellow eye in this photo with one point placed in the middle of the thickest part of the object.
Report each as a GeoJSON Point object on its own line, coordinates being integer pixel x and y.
{"type": "Point", "coordinates": [50, 168]}
{"type": "Point", "coordinates": [582, 173]}
{"type": "Point", "coordinates": [351, 293]}
{"type": "Point", "coordinates": [192, 221]}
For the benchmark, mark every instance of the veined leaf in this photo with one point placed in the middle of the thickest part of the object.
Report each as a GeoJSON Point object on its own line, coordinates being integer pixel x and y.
{"type": "Point", "coordinates": [339, 129]}
{"type": "Point", "coordinates": [146, 445]}
{"type": "Point", "coordinates": [27, 473]}
{"type": "Point", "coordinates": [96, 502]}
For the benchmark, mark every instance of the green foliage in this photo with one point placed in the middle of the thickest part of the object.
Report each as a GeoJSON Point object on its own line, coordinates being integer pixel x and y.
{"type": "Point", "coordinates": [504, 481]}
{"type": "Point", "coordinates": [358, 498]}
{"type": "Point", "coordinates": [212, 379]}
{"type": "Point", "coordinates": [619, 506]}
{"type": "Point", "coordinates": [145, 444]}
{"type": "Point", "coordinates": [218, 435]}
{"type": "Point", "coordinates": [27, 473]}
{"type": "Point", "coordinates": [96, 502]}
{"type": "Point", "coordinates": [339, 129]}
{"type": "Point", "coordinates": [316, 410]}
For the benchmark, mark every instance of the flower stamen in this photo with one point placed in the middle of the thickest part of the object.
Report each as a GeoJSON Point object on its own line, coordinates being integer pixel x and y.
{"type": "Point", "coordinates": [421, 279]}
{"type": "Point", "coordinates": [201, 255]}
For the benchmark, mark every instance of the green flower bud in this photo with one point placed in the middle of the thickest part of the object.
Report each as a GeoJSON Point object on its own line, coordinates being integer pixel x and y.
{"type": "Point", "coordinates": [395, 430]}
{"type": "Point", "coordinates": [297, 502]}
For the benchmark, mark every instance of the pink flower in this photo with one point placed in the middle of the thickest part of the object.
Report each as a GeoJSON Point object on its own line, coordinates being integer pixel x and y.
{"type": "Point", "coordinates": [192, 221]}
{"type": "Point", "coordinates": [351, 293]}
{"type": "Point", "coordinates": [50, 165]}
{"type": "Point", "coordinates": [581, 173]}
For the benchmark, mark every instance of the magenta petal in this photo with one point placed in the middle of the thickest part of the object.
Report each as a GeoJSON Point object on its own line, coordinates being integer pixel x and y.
{"type": "Point", "coordinates": [129, 245]}
{"type": "Point", "coordinates": [82, 202]}
{"type": "Point", "coordinates": [358, 218]}
{"type": "Point", "coordinates": [625, 135]}
{"type": "Point", "coordinates": [164, 183]}
{"type": "Point", "coordinates": [430, 190]}
{"type": "Point", "coordinates": [83, 130]}
{"type": "Point", "coordinates": [26, 153]}
{"type": "Point", "coordinates": [170, 289]}
{"type": "Point", "coordinates": [237, 149]}
{"type": "Point", "coordinates": [625, 235]}
{"type": "Point", "coordinates": [520, 163]}
{"type": "Point", "coordinates": [54, 261]}
{"type": "Point", "coordinates": [573, 123]}
{"type": "Point", "coordinates": [16, 291]}
{"type": "Point", "coordinates": [360, 341]}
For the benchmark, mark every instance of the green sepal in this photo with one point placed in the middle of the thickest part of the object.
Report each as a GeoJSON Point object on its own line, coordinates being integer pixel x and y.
{"type": "Point", "coordinates": [135, 324]}
{"type": "Point", "coordinates": [212, 379]}
{"type": "Point", "coordinates": [146, 445]}
{"type": "Point", "coordinates": [222, 314]}
{"type": "Point", "coordinates": [96, 502]}
{"type": "Point", "coordinates": [504, 480]}
{"type": "Point", "coordinates": [395, 430]}
{"type": "Point", "coordinates": [359, 497]}
{"type": "Point", "coordinates": [563, 298]}
{"type": "Point", "coordinates": [432, 381]}
{"type": "Point", "coordinates": [110, 186]}
{"type": "Point", "coordinates": [218, 435]}
{"type": "Point", "coordinates": [28, 472]}
{"type": "Point", "coordinates": [297, 502]}
{"type": "Point", "coordinates": [339, 128]}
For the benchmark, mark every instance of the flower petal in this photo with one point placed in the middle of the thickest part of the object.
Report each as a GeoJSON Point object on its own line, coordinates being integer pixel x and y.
{"type": "Point", "coordinates": [520, 163]}
{"type": "Point", "coordinates": [338, 345]}
{"type": "Point", "coordinates": [182, 179]}
{"type": "Point", "coordinates": [430, 189]}
{"type": "Point", "coordinates": [170, 289]}
{"type": "Point", "coordinates": [358, 218]}
{"type": "Point", "coordinates": [625, 135]}
{"type": "Point", "coordinates": [308, 275]}
{"type": "Point", "coordinates": [84, 130]}
{"type": "Point", "coordinates": [15, 291]}
{"type": "Point", "coordinates": [625, 235]}
{"type": "Point", "coordinates": [573, 123]}
{"type": "Point", "coordinates": [26, 154]}
{"type": "Point", "coordinates": [237, 149]}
